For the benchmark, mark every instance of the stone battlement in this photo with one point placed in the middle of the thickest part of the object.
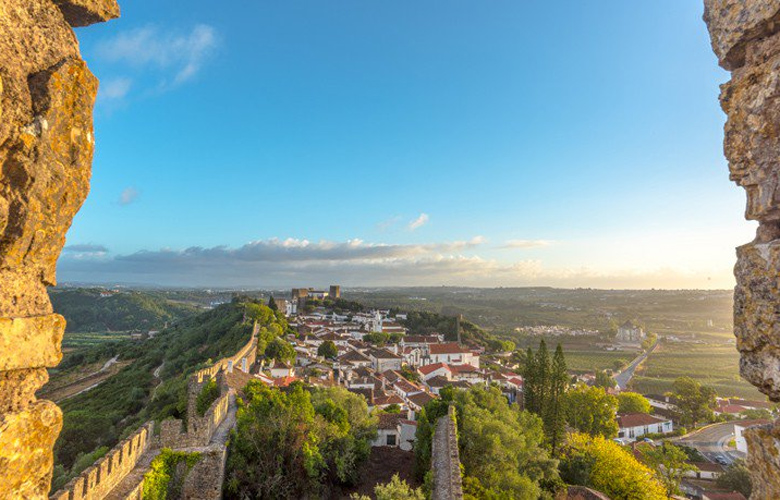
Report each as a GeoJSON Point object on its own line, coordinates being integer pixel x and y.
{"type": "Point", "coordinates": [242, 360]}
{"type": "Point", "coordinates": [199, 429]}
{"type": "Point", "coordinates": [445, 459]}
{"type": "Point", "coordinates": [102, 476]}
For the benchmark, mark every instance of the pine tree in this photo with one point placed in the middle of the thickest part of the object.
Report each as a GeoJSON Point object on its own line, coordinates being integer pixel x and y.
{"type": "Point", "coordinates": [529, 382]}
{"type": "Point", "coordinates": [555, 418]}
{"type": "Point", "coordinates": [542, 365]}
{"type": "Point", "coordinates": [272, 304]}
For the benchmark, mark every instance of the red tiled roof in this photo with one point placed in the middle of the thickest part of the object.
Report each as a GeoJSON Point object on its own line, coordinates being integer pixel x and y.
{"type": "Point", "coordinates": [638, 419]}
{"type": "Point", "coordinates": [420, 399]}
{"type": "Point", "coordinates": [455, 369]}
{"type": "Point", "coordinates": [285, 381]}
{"type": "Point", "coordinates": [425, 370]}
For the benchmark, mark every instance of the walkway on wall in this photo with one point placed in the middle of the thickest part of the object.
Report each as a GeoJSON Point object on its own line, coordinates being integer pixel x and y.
{"type": "Point", "coordinates": [130, 484]}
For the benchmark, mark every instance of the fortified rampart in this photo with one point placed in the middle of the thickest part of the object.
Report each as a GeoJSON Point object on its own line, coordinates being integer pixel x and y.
{"type": "Point", "coordinates": [445, 459]}
{"type": "Point", "coordinates": [105, 474]}
{"type": "Point", "coordinates": [746, 38]}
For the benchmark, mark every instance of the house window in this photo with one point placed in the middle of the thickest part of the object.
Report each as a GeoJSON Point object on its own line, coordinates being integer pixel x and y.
{"type": "Point", "coordinates": [631, 432]}
{"type": "Point", "coordinates": [391, 440]}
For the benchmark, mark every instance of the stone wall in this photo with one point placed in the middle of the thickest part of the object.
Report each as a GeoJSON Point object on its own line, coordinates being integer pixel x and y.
{"type": "Point", "coordinates": [745, 36]}
{"type": "Point", "coordinates": [46, 145]}
{"type": "Point", "coordinates": [445, 459]}
{"type": "Point", "coordinates": [102, 476]}
{"type": "Point", "coordinates": [242, 360]}
{"type": "Point", "coordinates": [204, 482]}
{"type": "Point", "coordinates": [199, 429]}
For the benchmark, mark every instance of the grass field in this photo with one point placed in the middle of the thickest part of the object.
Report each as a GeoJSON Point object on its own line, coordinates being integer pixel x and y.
{"type": "Point", "coordinates": [589, 361]}
{"type": "Point", "coordinates": [715, 365]}
{"type": "Point", "coordinates": [74, 340]}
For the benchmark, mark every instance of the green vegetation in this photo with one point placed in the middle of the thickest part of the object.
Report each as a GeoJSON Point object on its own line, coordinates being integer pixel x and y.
{"type": "Point", "coordinates": [545, 385]}
{"type": "Point", "coordinates": [328, 350]}
{"type": "Point", "coordinates": [694, 401]}
{"type": "Point", "coordinates": [502, 448]}
{"type": "Point", "coordinates": [714, 365]}
{"type": "Point", "coordinates": [427, 323]}
{"type": "Point", "coordinates": [591, 410]}
{"type": "Point", "coordinates": [280, 350]}
{"type": "Point", "coordinates": [297, 443]}
{"type": "Point", "coordinates": [208, 394]}
{"type": "Point", "coordinates": [669, 463]}
{"type": "Point", "coordinates": [396, 489]}
{"type": "Point", "coordinates": [87, 311]}
{"type": "Point", "coordinates": [582, 361]}
{"type": "Point", "coordinates": [165, 478]}
{"type": "Point", "coordinates": [83, 460]}
{"type": "Point", "coordinates": [736, 478]}
{"type": "Point", "coordinates": [604, 380]}
{"type": "Point", "coordinates": [632, 402]}
{"type": "Point", "coordinates": [114, 409]}
{"type": "Point", "coordinates": [380, 338]}
{"type": "Point", "coordinates": [605, 466]}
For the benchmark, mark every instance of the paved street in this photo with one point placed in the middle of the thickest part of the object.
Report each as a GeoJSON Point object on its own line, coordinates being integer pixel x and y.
{"type": "Point", "coordinates": [711, 442]}
{"type": "Point", "coordinates": [624, 377]}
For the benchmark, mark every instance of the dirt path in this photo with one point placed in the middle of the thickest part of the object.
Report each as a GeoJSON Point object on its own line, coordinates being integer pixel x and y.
{"type": "Point", "coordinates": [84, 384]}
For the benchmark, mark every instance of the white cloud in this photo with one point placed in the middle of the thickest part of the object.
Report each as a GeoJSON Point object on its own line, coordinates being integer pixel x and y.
{"type": "Point", "coordinates": [281, 262]}
{"type": "Point", "coordinates": [389, 223]}
{"type": "Point", "coordinates": [114, 88]}
{"type": "Point", "coordinates": [179, 56]}
{"type": "Point", "coordinates": [419, 222]}
{"type": "Point", "coordinates": [128, 196]}
{"type": "Point", "coordinates": [526, 243]}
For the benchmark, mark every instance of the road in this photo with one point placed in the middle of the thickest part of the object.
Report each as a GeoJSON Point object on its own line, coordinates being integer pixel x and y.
{"type": "Point", "coordinates": [712, 441]}
{"type": "Point", "coordinates": [624, 377]}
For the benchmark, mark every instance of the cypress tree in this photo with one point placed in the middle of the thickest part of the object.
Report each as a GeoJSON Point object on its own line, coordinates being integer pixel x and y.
{"type": "Point", "coordinates": [542, 365]}
{"type": "Point", "coordinates": [555, 420]}
{"type": "Point", "coordinates": [529, 382]}
{"type": "Point", "coordinates": [272, 304]}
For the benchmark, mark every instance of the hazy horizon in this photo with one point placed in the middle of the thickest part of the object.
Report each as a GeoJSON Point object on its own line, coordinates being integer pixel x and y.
{"type": "Point", "coordinates": [464, 146]}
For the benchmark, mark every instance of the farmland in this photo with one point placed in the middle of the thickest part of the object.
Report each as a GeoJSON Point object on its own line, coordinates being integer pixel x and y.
{"type": "Point", "coordinates": [716, 365]}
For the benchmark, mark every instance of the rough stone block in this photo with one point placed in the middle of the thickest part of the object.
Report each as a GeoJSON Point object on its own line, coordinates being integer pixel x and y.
{"type": "Point", "coordinates": [757, 315]}
{"type": "Point", "coordinates": [26, 441]}
{"type": "Point", "coordinates": [734, 23]}
{"type": "Point", "coordinates": [31, 342]}
{"type": "Point", "coordinates": [763, 460]}
{"type": "Point", "coordinates": [85, 12]}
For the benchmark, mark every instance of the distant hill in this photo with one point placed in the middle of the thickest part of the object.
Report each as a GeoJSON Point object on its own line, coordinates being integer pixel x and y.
{"type": "Point", "coordinates": [96, 310]}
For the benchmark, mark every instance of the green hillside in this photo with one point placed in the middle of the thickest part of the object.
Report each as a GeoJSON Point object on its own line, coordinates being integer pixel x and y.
{"type": "Point", "coordinates": [104, 415]}
{"type": "Point", "coordinates": [86, 310]}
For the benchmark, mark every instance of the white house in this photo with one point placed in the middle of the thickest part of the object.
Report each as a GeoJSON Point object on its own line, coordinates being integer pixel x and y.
{"type": "Point", "coordinates": [396, 431]}
{"type": "Point", "coordinates": [452, 353]}
{"type": "Point", "coordinates": [434, 370]}
{"type": "Point", "coordinates": [634, 425]}
{"type": "Point", "coordinates": [629, 332]}
{"type": "Point", "coordinates": [279, 370]}
{"type": "Point", "coordinates": [384, 360]}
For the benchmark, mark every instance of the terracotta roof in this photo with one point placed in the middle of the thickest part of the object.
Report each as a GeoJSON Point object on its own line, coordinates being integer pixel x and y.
{"type": "Point", "coordinates": [638, 419]}
{"type": "Point", "coordinates": [405, 386]}
{"type": "Point", "coordinates": [388, 400]}
{"type": "Point", "coordinates": [284, 381]}
{"type": "Point", "coordinates": [448, 348]}
{"type": "Point", "coordinates": [353, 357]}
{"type": "Point", "coordinates": [420, 399]}
{"type": "Point", "coordinates": [708, 466]}
{"type": "Point", "coordinates": [383, 354]}
{"type": "Point", "coordinates": [425, 370]}
{"type": "Point", "coordinates": [389, 420]}
{"type": "Point", "coordinates": [734, 495]}
{"type": "Point", "coordinates": [455, 369]}
{"type": "Point", "coordinates": [731, 409]}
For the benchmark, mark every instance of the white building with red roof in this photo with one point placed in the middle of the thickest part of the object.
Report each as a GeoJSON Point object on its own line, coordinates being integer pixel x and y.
{"type": "Point", "coordinates": [434, 370]}
{"type": "Point", "coordinates": [452, 353]}
{"type": "Point", "coordinates": [634, 425]}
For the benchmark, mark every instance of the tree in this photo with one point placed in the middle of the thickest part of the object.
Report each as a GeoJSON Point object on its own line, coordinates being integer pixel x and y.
{"type": "Point", "coordinates": [555, 417]}
{"type": "Point", "coordinates": [694, 401]}
{"type": "Point", "coordinates": [669, 463]}
{"type": "Point", "coordinates": [328, 350]}
{"type": "Point", "coordinates": [530, 383]}
{"type": "Point", "coordinates": [604, 379]}
{"type": "Point", "coordinates": [272, 304]}
{"type": "Point", "coordinates": [280, 350]}
{"type": "Point", "coordinates": [632, 402]}
{"type": "Point", "coordinates": [736, 478]}
{"type": "Point", "coordinates": [396, 489]}
{"type": "Point", "coordinates": [591, 410]}
{"type": "Point", "coordinates": [501, 448]}
{"type": "Point", "coordinates": [543, 376]}
{"type": "Point", "coordinates": [605, 466]}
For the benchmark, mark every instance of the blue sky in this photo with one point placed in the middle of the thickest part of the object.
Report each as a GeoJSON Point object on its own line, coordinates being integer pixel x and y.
{"type": "Point", "coordinates": [467, 143]}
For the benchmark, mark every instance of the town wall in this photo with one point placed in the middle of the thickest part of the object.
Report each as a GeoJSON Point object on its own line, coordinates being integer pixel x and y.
{"type": "Point", "coordinates": [204, 482]}
{"type": "Point", "coordinates": [106, 473]}
{"type": "Point", "coordinates": [445, 459]}
{"type": "Point", "coordinates": [745, 36]}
